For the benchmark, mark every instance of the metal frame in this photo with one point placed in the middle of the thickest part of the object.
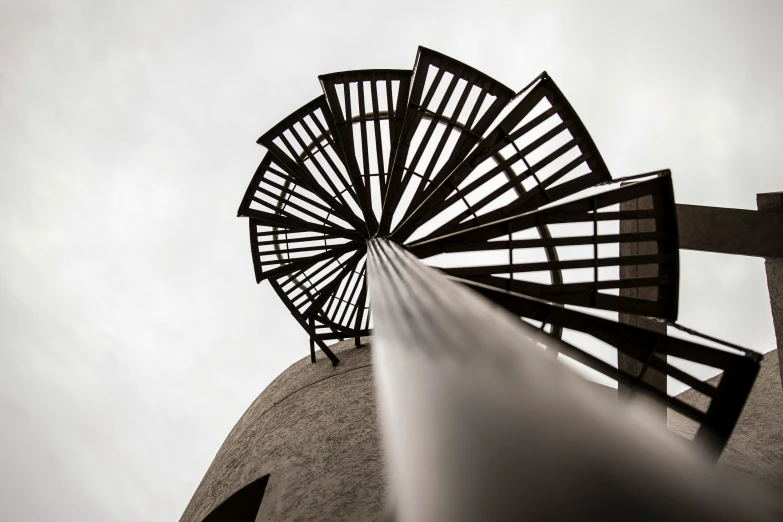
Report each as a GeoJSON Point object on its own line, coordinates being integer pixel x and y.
{"type": "Point", "coordinates": [651, 348]}
{"type": "Point", "coordinates": [506, 135]}
{"type": "Point", "coordinates": [592, 210]}
{"type": "Point", "coordinates": [486, 426]}
{"type": "Point", "coordinates": [446, 161]}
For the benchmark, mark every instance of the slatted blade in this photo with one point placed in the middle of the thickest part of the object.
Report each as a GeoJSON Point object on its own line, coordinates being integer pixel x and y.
{"type": "Point", "coordinates": [656, 352]}
{"type": "Point", "coordinates": [289, 223]}
{"type": "Point", "coordinates": [587, 235]}
{"type": "Point", "coordinates": [450, 106]}
{"type": "Point", "coordinates": [539, 153]}
{"type": "Point", "coordinates": [329, 293]}
{"type": "Point", "coordinates": [306, 145]}
{"type": "Point", "coordinates": [368, 108]}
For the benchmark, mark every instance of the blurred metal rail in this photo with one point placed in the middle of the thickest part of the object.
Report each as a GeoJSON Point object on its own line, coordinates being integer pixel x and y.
{"type": "Point", "coordinates": [480, 425]}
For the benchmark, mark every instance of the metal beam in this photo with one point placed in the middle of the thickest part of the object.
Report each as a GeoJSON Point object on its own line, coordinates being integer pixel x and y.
{"type": "Point", "coordinates": [772, 203]}
{"type": "Point", "coordinates": [481, 425]}
{"type": "Point", "coordinates": [626, 363]}
{"type": "Point", "coordinates": [757, 233]}
{"type": "Point", "coordinates": [731, 231]}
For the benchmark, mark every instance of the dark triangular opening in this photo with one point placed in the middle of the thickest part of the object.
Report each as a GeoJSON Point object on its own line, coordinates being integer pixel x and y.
{"type": "Point", "coordinates": [242, 506]}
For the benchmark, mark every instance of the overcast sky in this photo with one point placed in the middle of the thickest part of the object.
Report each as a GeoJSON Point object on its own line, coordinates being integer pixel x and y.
{"type": "Point", "coordinates": [132, 333]}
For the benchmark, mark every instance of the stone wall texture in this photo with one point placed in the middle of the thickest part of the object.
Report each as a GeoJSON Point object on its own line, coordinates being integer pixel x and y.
{"type": "Point", "coordinates": [314, 431]}
{"type": "Point", "coordinates": [755, 450]}
{"type": "Point", "coordinates": [773, 202]}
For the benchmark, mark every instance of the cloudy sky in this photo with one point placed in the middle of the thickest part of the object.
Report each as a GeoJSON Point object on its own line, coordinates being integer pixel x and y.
{"type": "Point", "coordinates": [132, 334]}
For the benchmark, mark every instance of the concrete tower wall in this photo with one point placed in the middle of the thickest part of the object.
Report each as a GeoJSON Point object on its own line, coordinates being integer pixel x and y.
{"type": "Point", "coordinates": [314, 431]}
{"type": "Point", "coordinates": [755, 449]}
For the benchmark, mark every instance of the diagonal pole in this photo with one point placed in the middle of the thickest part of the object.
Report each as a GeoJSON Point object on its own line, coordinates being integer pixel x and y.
{"type": "Point", "coordinates": [772, 203]}
{"type": "Point", "coordinates": [480, 425]}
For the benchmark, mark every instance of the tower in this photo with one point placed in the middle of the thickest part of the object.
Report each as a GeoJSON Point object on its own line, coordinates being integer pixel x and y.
{"type": "Point", "coordinates": [505, 193]}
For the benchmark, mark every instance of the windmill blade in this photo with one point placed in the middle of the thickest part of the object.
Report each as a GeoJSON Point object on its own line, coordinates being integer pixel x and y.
{"type": "Point", "coordinates": [276, 196]}
{"type": "Point", "coordinates": [305, 145]}
{"type": "Point", "coordinates": [651, 349]}
{"type": "Point", "coordinates": [272, 263]}
{"type": "Point", "coordinates": [367, 108]}
{"type": "Point", "coordinates": [279, 250]}
{"type": "Point", "coordinates": [450, 106]}
{"type": "Point", "coordinates": [329, 294]}
{"type": "Point", "coordinates": [588, 235]}
{"type": "Point", "coordinates": [327, 285]}
{"type": "Point", "coordinates": [289, 223]}
{"type": "Point", "coordinates": [539, 153]}
{"type": "Point", "coordinates": [347, 310]}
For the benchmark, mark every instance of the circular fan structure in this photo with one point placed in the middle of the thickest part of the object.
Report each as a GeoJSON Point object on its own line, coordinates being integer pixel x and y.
{"type": "Point", "coordinates": [504, 192]}
{"type": "Point", "coordinates": [474, 179]}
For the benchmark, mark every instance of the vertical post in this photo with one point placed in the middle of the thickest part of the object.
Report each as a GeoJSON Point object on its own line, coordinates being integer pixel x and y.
{"type": "Point", "coordinates": [773, 202]}
{"type": "Point", "coordinates": [626, 363]}
{"type": "Point", "coordinates": [312, 341]}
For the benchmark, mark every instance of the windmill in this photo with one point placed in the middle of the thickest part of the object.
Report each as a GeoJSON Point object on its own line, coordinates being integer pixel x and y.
{"type": "Point", "coordinates": [503, 192]}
